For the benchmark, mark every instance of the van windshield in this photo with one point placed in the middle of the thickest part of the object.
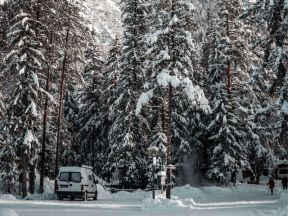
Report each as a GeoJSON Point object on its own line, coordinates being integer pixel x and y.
{"type": "Point", "coordinates": [70, 176]}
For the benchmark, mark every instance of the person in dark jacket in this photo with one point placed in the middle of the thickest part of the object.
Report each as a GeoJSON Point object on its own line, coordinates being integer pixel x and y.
{"type": "Point", "coordinates": [271, 185]}
{"type": "Point", "coordinates": [285, 182]}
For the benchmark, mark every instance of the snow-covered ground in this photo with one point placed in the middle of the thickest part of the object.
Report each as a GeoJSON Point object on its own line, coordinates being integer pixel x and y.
{"type": "Point", "coordinates": [244, 200]}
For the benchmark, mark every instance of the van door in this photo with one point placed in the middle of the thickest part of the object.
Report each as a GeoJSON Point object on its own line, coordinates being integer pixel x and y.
{"type": "Point", "coordinates": [64, 181]}
{"type": "Point", "coordinates": [75, 182]}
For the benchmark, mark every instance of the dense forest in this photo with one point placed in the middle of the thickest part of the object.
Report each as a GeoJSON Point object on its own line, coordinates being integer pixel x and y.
{"type": "Point", "coordinates": [201, 80]}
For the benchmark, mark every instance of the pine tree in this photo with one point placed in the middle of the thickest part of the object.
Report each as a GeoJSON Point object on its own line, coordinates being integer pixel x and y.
{"type": "Point", "coordinates": [270, 18]}
{"type": "Point", "coordinates": [24, 64]}
{"type": "Point", "coordinates": [70, 42]}
{"type": "Point", "coordinates": [228, 65]}
{"type": "Point", "coordinates": [127, 136]}
{"type": "Point", "coordinates": [8, 168]}
{"type": "Point", "coordinates": [111, 74]}
{"type": "Point", "coordinates": [90, 137]}
{"type": "Point", "coordinates": [171, 63]}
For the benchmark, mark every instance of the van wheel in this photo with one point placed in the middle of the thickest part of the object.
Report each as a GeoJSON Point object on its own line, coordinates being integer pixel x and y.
{"type": "Point", "coordinates": [84, 196]}
{"type": "Point", "coordinates": [95, 197]}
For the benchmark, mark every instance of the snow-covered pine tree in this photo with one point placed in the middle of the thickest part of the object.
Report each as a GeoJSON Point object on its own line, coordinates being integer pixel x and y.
{"type": "Point", "coordinates": [230, 95]}
{"type": "Point", "coordinates": [24, 62]}
{"type": "Point", "coordinates": [8, 165]}
{"type": "Point", "coordinates": [111, 73]}
{"type": "Point", "coordinates": [90, 121]}
{"type": "Point", "coordinates": [187, 118]}
{"type": "Point", "coordinates": [127, 136]}
{"type": "Point", "coordinates": [70, 62]}
{"type": "Point", "coordinates": [171, 64]}
{"type": "Point", "coordinates": [271, 18]}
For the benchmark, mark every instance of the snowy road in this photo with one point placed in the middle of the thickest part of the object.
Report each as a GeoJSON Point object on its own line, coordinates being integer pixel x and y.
{"type": "Point", "coordinates": [73, 208]}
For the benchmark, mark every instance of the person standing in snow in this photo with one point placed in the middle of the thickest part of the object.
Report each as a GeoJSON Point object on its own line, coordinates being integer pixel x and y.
{"type": "Point", "coordinates": [234, 175]}
{"type": "Point", "coordinates": [271, 185]}
{"type": "Point", "coordinates": [284, 182]}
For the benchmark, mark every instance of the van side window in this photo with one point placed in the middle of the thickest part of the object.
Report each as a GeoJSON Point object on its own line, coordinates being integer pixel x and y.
{"type": "Point", "coordinates": [76, 177]}
{"type": "Point", "coordinates": [90, 177]}
{"type": "Point", "coordinates": [64, 176]}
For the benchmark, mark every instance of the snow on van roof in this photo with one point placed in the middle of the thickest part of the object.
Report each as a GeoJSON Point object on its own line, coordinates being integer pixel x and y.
{"type": "Point", "coordinates": [88, 167]}
{"type": "Point", "coordinates": [70, 168]}
{"type": "Point", "coordinates": [66, 168]}
{"type": "Point", "coordinates": [281, 162]}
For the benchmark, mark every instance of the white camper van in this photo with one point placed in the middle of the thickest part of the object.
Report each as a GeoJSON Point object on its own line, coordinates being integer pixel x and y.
{"type": "Point", "coordinates": [282, 168]}
{"type": "Point", "coordinates": [76, 182]}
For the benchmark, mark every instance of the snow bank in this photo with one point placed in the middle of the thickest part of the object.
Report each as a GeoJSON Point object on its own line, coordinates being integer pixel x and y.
{"type": "Point", "coordinates": [284, 198]}
{"type": "Point", "coordinates": [7, 212]}
{"type": "Point", "coordinates": [45, 196]}
{"type": "Point", "coordinates": [48, 184]}
{"type": "Point", "coordinates": [103, 193]}
{"type": "Point", "coordinates": [187, 191]}
{"type": "Point", "coordinates": [124, 195]}
{"type": "Point", "coordinates": [216, 201]}
{"type": "Point", "coordinates": [7, 197]}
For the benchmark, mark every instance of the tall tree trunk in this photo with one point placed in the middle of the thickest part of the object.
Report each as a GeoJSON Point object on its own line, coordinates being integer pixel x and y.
{"type": "Point", "coordinates": [169, 140]}
{"type": "Point", "coordinates": [24, 174]}
{"type": "Point", "coordinates": [169, 110]}
{"type": "Point", "coordinates": [32, 178]}
{"type": "Point", "coordinates": [228, 70]}
{"type": "Point", "coordinates": [62, 86]}
{"type": "Point", "coordinates": [93, 150]}
{"type": "Point", "coordinates": [43, 150]}
{"type": "Point", "coordinates": [31, 164]}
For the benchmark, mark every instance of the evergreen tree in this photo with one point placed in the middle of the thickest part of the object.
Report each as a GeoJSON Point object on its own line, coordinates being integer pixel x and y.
{"type": "Point", "coordinates": [111, 74]}
{"type": "Point", "coordinates": [8, 168]}
{"type": "Point", "coordinates": [270, 18]}
{"type": "Point", "coordinates": [127, 135]}
{"type": "Point", "coordinates": [171, 63]}
{"type": "Point", "coordinates": [24, 63]}
{"type": "Point", "coordinates": [228, 65]}
{"type": "Point", "coordinates": [90, 137]}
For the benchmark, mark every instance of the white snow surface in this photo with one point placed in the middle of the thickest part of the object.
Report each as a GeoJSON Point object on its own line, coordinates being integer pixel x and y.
{"type": "Point", "coordinates": [7, 212]}
{"type": "Point", "coordinates": [7, 197]}
{"type": "Point", "coordinates": [243, 200]}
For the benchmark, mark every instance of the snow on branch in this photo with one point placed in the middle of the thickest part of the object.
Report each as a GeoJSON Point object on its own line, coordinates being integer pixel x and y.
{"type": "Point", "coordinates": [144, 99]}
{"type": "Point", "coordinates": [28, 139]}
{"type": "Point", "coordinates": [194, 93]}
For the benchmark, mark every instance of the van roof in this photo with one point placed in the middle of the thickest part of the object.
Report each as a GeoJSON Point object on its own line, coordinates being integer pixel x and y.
{"type": "Point", "coordinates": [73, 168]}
{"type": "Point", "coordinates": [281, 162]}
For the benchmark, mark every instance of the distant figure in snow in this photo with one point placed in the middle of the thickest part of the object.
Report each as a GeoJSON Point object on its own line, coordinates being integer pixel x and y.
{"type": "Point", "coordinates": [271, 185]}
{"type": "Point", "coordinates": [234, 175]}
{"type": "Point", "coordinates": [285, 182]}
